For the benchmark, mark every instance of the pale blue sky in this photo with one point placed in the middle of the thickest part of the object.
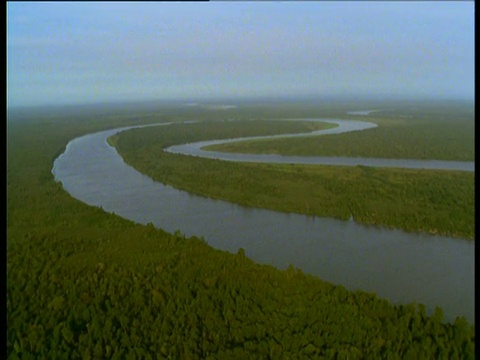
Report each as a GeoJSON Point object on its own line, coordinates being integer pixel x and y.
{"type": "Point", "coordinates": [65, 53]}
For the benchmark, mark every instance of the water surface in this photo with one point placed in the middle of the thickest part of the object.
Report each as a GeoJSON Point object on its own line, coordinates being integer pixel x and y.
{"type": "Point", "coordinates": [402, 267]}
{"type": "Point", "coordinates": [198, 149]}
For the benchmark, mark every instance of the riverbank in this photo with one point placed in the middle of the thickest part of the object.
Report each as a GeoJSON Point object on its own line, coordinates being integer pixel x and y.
{"type": "Point", "coordinates": [395, 138]}
{"type": "Point", "coordinates": [342, 252]}
{"type": "Point", "coordinates": [82, 282]}
{"type": "Point", "coordinates": [397, 198]}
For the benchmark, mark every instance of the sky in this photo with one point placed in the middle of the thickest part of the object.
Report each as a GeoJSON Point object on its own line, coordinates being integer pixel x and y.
{"type": "Point", "coordinates": [93, 52]}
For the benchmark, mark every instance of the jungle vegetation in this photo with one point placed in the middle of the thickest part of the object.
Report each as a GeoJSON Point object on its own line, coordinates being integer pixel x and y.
{"type": "Point", "coordinates": [433, 201]}
{"type": "Point", "coordinates": [85, 284]}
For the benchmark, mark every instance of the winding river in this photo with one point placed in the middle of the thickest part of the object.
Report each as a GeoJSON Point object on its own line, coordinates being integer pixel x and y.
{"type": "Point", "coordinates": [402, 267]}
{"type": "Point", "coordinates": [196, 149]}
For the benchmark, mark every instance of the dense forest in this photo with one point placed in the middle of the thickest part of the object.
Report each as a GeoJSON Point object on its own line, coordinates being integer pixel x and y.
{"type": "Point", "coordinates": [433, 201]}
{"type": "Point", "coordinates": [85, 284]}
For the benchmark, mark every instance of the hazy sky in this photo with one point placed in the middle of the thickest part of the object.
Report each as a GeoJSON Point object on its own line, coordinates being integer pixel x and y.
{"type": "Point", "coordinates": [61, 53]}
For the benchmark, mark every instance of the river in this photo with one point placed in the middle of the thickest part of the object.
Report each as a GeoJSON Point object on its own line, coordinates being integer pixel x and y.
{"type": "Point", "coordinates": [197, 149]}
{"type": "Point", "coordinates": [399, 266]}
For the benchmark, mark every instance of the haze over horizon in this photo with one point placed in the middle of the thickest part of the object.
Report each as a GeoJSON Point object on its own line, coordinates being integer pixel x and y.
{"type": "Point", "coordinates": [75, 53]}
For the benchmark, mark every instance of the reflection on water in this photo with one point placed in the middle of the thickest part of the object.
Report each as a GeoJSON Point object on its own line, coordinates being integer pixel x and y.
{"type": "Point", "coordinates": [399, 266]}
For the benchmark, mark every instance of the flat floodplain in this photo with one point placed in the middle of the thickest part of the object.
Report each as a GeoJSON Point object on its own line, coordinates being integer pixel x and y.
{"type": "Point", "coordinates": [433, 201]}
{"type": "Point", "coordinates": [78, 276]}
{"type": "Point", "coordinates": [396, 137]}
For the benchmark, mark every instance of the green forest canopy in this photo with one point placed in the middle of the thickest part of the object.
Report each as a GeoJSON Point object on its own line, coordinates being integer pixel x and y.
{"type": "Point", "coordinates": [82, 283]}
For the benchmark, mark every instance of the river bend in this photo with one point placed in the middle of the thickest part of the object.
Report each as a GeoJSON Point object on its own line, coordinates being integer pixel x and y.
{"type": "Point", "coordinates": [402, 267]}
{"type": "Point", "coordinates": [196, 149]}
